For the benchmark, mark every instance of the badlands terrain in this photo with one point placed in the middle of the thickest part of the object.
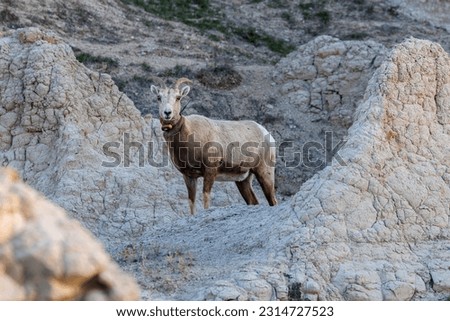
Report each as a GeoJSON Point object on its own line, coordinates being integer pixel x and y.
{"type": "Point", "coordinates": [364, 215]}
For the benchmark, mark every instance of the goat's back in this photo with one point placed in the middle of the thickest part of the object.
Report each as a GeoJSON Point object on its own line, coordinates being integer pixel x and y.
{"type": "Point", "coordinates": [238, 141]}
{"type": "Point", "coordinates": [228, 131]}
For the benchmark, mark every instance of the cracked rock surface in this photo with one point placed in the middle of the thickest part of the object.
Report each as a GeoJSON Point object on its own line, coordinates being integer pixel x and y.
{"type": "Point", "coordinates": [372, 226]}
{"type": "Point", "coordinates": [76, 138]}
{"type": "Point", "coordinates": [375, 228]}
{"type": "Point", "coordinates": [45, 255]}
{"type": "Point", "coordinates": [318, 88]}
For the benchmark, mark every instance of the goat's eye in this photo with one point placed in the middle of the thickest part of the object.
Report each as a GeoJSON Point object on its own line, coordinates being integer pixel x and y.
{"type": "Point", "coordinates": [178, 98]}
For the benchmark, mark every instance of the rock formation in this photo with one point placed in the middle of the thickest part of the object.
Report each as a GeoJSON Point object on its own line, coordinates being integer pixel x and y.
{"type": "Point", "coordinates": [378, 227]}
{"type": "Point", "coordinates": [372, 225]}
{"type": "Point", "coordinates": [319, 86]}
{"type": "Point", "coordinates": [44, 255]}
{"type": "Point", "coordinates": [76, 138]}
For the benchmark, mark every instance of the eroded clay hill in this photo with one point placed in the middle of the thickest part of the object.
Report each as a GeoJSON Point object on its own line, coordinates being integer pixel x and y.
{"type": "Point", "coordinates": [375, 228]}
{"type": "Point", "coordinates": [373, 225]}
{"type": "Point", "coordinates": [45, 255]}
{"type": "Point", "coordinates": [76, 138]}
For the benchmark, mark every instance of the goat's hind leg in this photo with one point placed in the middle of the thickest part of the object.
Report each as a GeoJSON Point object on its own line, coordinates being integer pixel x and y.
{"type": "Point", "coordinates": [191, 184]}
{"type": "Point", "coordinates": [246, 190]}
{"type": "Point", "coordinates": [266, 178]}
{"type": "Point", "coordinates": [208, 182]}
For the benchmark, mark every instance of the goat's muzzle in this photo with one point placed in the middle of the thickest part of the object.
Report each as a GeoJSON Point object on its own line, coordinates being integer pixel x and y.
{"type": "Point", "coordinates": [165, 125]}
{"type": "Point", "coordinates": [173, 126]}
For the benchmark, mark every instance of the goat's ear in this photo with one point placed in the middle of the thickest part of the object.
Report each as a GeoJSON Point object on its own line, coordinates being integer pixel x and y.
{"type": "Point", "coordinates": [154, 90]}
{"type": "Point", "coordinates": [185, 90]}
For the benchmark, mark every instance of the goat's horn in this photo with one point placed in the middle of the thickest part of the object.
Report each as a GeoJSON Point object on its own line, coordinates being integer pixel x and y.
{"type": "Point", "coordinates": [181, 81]}
{"type": "Point", "coordinates": [159, 81]}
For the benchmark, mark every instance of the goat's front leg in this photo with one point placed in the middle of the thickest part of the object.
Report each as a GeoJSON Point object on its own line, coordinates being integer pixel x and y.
{"type": "Point", "coordinates": [208, 181]}
{"type": "Point", "coordinates": [191, 184]}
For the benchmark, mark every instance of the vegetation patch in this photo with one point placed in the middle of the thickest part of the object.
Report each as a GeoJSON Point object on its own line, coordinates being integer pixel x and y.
{"type": "Point", "coordinates": [315, 10]}
{"type": "Point", "coordinates": [100, 61]}
{"type": "Point", "coordinates": [356, 36]}
{"type": "Point", "coordinates": [256, 38]}
{"type": "Point", "coordinates": [195, 13]}
{"type": "Point", "coordinates": [278, 4]}
{"type": "Point", "coordinates": [295, 292]}
{"type": "Point", "coordinates": [146, 67]}
{"type": "Point", "coordinates": [9, 18]}
{"type": "Point", "coordinates": [201, 15]}
{"type": "Point", "coordinates": [220, 77]}
{"type": "Point", "coordinates": [177, 71]}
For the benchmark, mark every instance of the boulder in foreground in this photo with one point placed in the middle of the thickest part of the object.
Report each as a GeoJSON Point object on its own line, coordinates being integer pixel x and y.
{"type": "Point", "coordinates": [44, 255]}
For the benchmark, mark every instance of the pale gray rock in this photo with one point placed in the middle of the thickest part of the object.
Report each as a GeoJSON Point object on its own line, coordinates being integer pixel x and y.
{"type": "Point", "coordinates": [389, 206]}
{"type": "Point", "coordinates": [334, 72]}
{"type": "Point", "coordinates": [373, 228]}
{"type": "Point", "coordinates": [441, 280]}
{"type": "Point", "coordinates": [44, 255]}
{"type": "Point", "coordinates": [76, 138]}
{"type": "Point", "coordinates": [320, 84]}
{"type": "Point", "coordinates": [372, 225]}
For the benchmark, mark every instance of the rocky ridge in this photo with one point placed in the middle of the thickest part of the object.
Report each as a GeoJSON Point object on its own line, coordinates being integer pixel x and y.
{"type": "Point", "coordinates": [147, 44]}
{"type": "Point", "coordinates": [372, 225]}
{"type": "Point", "coordinates": [318, 87]}
{"type": "Point", "coordinates": [375, 228]}
{"type": "Point", "coordinates": [387, 211]}
{"type": "Point", "coordinates": [64, 126]}
{"type": "Point", "coordinates": [45, 255]}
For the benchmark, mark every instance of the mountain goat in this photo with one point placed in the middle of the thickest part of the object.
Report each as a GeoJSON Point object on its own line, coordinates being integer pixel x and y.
{"type": "Point", "coordinates": [215, 149]}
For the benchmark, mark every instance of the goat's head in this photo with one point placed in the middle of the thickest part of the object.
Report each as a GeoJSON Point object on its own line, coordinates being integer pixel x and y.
{"type": "Point", "coordinates": [169, 99]}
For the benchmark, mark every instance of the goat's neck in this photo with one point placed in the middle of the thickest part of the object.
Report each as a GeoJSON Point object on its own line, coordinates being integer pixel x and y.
{"type": "Point", "coordinates": [181, 146]}
{"type": "Point", "coordinates": [175, 128]}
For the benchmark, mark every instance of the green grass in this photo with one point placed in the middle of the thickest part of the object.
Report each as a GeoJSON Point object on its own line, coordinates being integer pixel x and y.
{"type": "Point", "coordinates": [201, 15]}
{"type": "Point", "coordinates": [288, 17]}
{"type": "Point", "coordinates": [87, 58]}
{"type": "Point", "coordinates": [324, 16]}
{"type": "Point", "coordinates": [276, 4]}
{"type": "Point", "coordinates": [146, 67]}
{"type": "Point", "coordinates": [257, 38]}
{"type": "Point", "coordinates": [195, 13]}
{"type": "Point", "coordinates": [315, 10]}
{"type": "Point", "coordinates": [175, 72]}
